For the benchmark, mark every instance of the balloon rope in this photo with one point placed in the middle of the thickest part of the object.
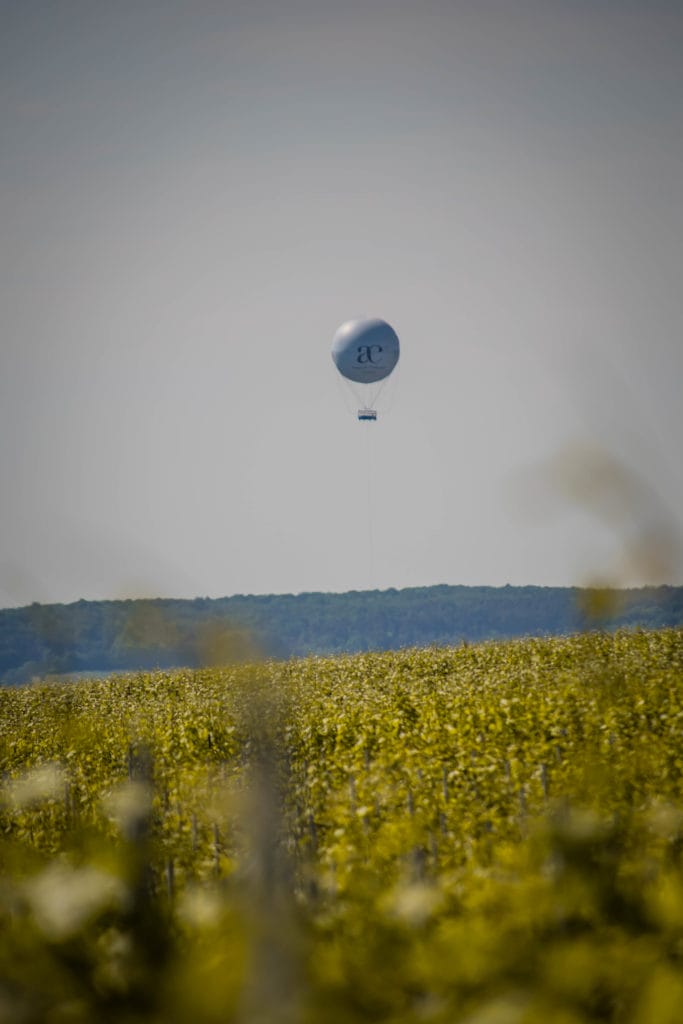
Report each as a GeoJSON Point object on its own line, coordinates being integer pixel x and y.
{"type": "Point", "coordinates": [368, 427]}
{"type": "Point", "coordinates": [380, 389]}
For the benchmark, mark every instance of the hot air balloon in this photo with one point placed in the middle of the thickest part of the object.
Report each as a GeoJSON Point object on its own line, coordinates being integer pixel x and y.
{"type": "Point", "coordinates": [365, 352]}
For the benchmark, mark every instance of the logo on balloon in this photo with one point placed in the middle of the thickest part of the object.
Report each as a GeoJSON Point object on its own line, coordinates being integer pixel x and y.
{"type": "Point", "coordinates": [366, 353]}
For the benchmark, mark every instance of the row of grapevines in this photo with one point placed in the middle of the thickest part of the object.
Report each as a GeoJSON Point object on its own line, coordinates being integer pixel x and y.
{"type": "Point", "coordinates": [486, 834]}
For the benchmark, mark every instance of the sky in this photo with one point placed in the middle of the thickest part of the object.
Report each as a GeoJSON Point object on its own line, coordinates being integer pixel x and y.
{"type": "Point", "coordinates": [194, 196]}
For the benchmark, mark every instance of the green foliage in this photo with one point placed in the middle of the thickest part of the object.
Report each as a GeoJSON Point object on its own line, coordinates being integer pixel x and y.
{"type": "Point", "coordinates": [489, 834]}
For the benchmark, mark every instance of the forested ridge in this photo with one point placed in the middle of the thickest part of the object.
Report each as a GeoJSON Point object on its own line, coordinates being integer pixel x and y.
{"type": "Point", "coordinates": [39, 640]}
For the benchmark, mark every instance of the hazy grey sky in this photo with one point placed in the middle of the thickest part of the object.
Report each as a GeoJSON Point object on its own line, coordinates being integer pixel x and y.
{"type": "Point", "coordinates": [195, 195]}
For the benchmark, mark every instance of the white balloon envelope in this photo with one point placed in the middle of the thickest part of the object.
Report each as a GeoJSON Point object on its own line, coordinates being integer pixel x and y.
{"type": "Point", "coordinates": [365, 351]}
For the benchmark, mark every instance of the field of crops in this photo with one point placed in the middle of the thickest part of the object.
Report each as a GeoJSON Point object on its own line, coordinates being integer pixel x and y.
{"type": "Point", "coordinates": [488, 834]}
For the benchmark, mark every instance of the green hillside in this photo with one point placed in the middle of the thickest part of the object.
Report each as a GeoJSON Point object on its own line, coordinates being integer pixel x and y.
{"type": "Point", "coordinates": [110, 636]}
{"type": "Point", "coordinates": [489, 834]}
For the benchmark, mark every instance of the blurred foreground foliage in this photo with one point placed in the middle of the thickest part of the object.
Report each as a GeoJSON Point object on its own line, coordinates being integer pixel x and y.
{"type": "Point", "coordinates": [489, 834]}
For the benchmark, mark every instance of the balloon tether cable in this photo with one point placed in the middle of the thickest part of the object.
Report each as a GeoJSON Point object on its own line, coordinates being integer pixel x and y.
{"type": "Point", "coordinates": [371, 544]}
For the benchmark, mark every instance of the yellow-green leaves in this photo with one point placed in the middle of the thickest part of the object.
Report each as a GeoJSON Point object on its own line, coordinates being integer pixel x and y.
{"type": "Point", "coordinates": [483, 834]}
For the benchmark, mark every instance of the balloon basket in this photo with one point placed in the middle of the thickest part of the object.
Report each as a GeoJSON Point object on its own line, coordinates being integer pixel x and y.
{"type": "Point", "coordinates": [367, 414]}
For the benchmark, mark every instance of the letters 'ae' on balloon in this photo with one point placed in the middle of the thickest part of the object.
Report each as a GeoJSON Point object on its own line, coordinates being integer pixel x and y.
{"type": "Point", "coordinates": [365, 351]}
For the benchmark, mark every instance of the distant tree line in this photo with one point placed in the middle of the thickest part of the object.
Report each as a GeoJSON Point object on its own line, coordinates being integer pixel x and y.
{"type": "Point", "coordinates": [101, 636]}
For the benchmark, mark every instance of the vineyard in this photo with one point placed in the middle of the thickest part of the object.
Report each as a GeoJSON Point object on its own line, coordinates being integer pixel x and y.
{"type": "Point", "coordinates": [486, 834]}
